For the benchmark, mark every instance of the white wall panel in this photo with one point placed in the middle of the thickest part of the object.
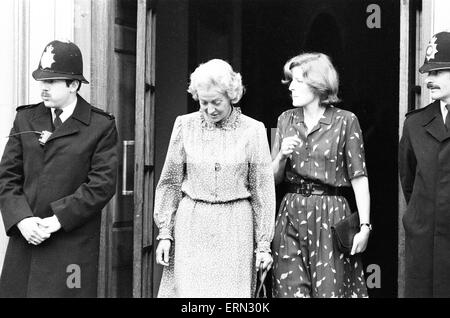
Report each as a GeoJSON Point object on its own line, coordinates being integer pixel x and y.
{"type": "Point", "coordinates": [441, 12]}
{"type": "Point", "coordinates": [82, 37]}
{"type": "Point", "coordinates": [7, 57]}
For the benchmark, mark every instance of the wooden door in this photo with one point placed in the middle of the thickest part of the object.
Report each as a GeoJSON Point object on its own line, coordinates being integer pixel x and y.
{"type": "Point", "coordinates": [114, 75]}
{"type": "Point", "coordinates": [143, 249]}
{"type": "Point", "coordinates": [122, 83]}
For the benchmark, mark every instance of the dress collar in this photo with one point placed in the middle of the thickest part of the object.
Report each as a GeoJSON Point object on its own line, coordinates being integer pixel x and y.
{"type": "Point", "coordinates": [230, 123]}
{"type": "Point", "coordinates": [326, 118]}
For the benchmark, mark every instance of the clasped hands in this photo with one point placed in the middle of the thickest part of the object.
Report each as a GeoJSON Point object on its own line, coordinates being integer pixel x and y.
{"type": "Point", "coordinates": [36, 230]}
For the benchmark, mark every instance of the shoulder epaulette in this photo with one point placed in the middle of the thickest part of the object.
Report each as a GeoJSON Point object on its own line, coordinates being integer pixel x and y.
{"type": "Point", "coordinates": [26, 107]}
{"type": "Point", "coordinates": [414, 111]}
{"type": "Point", "coordinates": [102, 112]}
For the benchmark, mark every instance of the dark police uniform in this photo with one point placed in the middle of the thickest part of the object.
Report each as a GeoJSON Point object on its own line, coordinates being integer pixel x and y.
{"type": "Point", "coordinates": [424, 164]}
{"type": "Point", "coordinates": [73, 176]}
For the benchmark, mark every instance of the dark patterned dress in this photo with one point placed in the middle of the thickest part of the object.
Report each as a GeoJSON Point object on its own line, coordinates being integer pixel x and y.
{"type": "Point", "coordinates": [306, 264]}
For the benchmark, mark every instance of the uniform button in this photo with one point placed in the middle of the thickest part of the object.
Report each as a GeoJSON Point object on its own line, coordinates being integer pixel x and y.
{"type": "Point", "coordinates": [217, 167]}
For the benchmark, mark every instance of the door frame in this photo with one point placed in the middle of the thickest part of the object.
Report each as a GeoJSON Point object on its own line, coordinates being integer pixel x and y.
{"type": "Point", "coordinates": [102, 20]}
{"type": "Point", "coordinates": [102, 50]}
{"type": "Point", "coordinates": [415, 29]}
{"type": "Point", "coordinates": [144, 180]}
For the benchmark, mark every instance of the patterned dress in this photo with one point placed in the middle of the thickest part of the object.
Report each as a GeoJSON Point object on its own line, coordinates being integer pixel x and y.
{"type": "Point", "coordinates": [216, 199]}
{"type": "Point", "coordinates": [306, 264]}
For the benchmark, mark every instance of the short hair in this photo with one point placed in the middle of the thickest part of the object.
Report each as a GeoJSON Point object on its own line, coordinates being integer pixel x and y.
{"type": "Point", "coordinates": [319, 74]}
{"type": "Point", "coordinates": [70, 81]}
{"type": "Point", "coordinates": [220, 74]}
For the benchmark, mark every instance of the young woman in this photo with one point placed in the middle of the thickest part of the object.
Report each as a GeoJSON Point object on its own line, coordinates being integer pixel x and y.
{"type": "Point", "coordinates": [318, 148]}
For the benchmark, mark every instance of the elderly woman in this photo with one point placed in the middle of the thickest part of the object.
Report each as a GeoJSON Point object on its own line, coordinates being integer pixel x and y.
{"type": "Point", "coordinates": [215, 200]}
{"type": "Point", "coordinates": [318, 149]}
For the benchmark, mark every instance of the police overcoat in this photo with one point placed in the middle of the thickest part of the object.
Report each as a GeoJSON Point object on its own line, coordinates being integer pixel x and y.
{"type": "Point", "coordinates": [73, 176]}
{"type": "Point", "coordinates": [424, 164]}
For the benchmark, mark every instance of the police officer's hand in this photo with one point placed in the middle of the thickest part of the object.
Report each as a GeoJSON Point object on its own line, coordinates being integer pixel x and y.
{"type": "Point", "coordinates": [50, 224]}
{"type": "Point", "coordinates": [288, 145]}
{"type": "Point", "coordinates": [360, 241]}
{"type": "Point", "coordinates": [32, 233]}
{"type": "Point", "coordinates": [263, 261]}
{"type": "Point", "coordinates": [162, 252]}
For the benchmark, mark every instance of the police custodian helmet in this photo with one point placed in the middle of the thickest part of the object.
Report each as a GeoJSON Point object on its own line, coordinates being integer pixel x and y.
{"type": "Point", "coordinates": [437, 55]}
{"type": "Point", "coordinates": [60, 60]}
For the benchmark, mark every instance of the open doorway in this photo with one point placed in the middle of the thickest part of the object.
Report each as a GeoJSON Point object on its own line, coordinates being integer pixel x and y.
{"type": "Point", "coordinates": [257, 37]}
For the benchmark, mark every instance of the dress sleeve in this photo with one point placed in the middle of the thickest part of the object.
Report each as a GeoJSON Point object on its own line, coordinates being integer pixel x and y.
{"type": "Point", "coordinates": [262, 189]}
{"type": "Point", "coordinates": [354, 149]}
{"type": "Point", "coordinates": [168, 191]}
{"type": "Point", "coordinates": [278, 138]}
{"type": "Point", "coordinates": [407, 163]}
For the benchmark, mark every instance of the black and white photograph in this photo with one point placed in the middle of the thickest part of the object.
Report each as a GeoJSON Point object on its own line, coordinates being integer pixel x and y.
{"type": "Point", "coordinates": [225, 153]}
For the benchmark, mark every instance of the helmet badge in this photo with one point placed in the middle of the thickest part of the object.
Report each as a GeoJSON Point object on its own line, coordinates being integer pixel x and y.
{"type": "Point", "coordinates": [431, 49]}
{"type": "Point", "coordinates": [47, 58]}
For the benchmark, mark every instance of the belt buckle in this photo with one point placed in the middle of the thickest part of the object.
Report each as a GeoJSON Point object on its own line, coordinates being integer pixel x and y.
{"type": "Point", "coordinates": [306, 189]}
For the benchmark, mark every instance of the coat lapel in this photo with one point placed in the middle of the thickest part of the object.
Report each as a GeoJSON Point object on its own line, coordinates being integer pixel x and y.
{"type": "Point", "coordinates": [69, 127]}
{"type": "Point", "coordinates": [42, 119]}
{"type": "Point", "coordinates": [82, 111]}
{"type": "Point", "coordinates": [81, 114]}
{"type": "Point", "coordinates": [434, 123]}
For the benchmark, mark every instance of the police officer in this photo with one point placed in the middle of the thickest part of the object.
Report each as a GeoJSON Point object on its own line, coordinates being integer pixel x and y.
{"type": "Point", "coordinates": [424, 164]}
{"type": "Point", "coordinates": [57, 172]}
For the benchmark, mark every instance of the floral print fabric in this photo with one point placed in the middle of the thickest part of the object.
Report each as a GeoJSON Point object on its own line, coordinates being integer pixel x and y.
{"type": "Point", "coordinates": [306, 262]}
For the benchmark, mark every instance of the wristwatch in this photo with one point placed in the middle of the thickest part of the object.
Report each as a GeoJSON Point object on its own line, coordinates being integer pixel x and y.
{"type": "Point", "coordinates": [369, 226]}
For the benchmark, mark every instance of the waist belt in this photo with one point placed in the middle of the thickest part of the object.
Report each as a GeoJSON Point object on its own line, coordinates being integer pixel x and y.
{"type": "Point", "coordinates": [308, 188]}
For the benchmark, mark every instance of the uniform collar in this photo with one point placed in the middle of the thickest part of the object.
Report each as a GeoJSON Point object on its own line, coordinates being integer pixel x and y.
{"type": "Point", "coordinates": [66, 111]}
{"type": "Point", "coordinates": [82, 111]}
{"type": "Point", "coordinates": [433, 110]}
{"type": "Point", "coordinates": [443, 108]}
{"type": "Point", "coordinates": [433, 123]}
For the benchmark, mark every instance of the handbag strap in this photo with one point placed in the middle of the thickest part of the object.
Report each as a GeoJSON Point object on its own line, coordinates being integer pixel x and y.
{"type": "Point", "coordinates": [261, 286]}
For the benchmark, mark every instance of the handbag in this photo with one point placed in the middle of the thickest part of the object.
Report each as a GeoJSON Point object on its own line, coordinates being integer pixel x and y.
{"type": "Point", "coordinates": [344, 231]}
{"type": "Point", "coordinates": [261, 291]}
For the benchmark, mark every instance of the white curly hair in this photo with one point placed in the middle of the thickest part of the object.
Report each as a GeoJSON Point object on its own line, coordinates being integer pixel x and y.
{"type": "Point", "coordinates": [217, 73]}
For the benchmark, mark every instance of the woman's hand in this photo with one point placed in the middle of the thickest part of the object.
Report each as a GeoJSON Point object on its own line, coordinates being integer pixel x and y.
{"type": "Point", "coordinates": [360, 241]}
{"type": "Point", "coordinates": [263, 261]}
{"type": "Point", "coordinates": [162, 252]}
{"type": "Point", "coordinates": [360, 187]}
{"type": "Point", "coordinates": [288, 145]}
